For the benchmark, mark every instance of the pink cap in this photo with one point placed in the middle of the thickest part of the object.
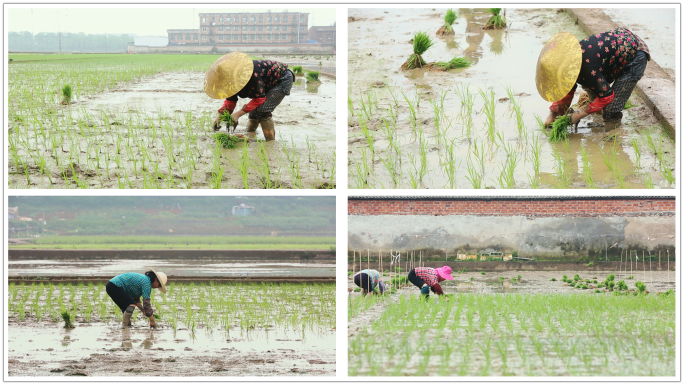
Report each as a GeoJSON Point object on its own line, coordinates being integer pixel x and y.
{"type": "Point", "coordinates": [444, 272]}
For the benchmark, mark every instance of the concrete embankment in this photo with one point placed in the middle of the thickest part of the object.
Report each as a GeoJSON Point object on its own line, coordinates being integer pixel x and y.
{"type": "Point", "coordinates": [310, 255]}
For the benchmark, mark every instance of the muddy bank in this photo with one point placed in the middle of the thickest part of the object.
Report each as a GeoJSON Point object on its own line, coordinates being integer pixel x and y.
{"type": "Point", "coordinates": [109, 350]}
{"type": "Point", "coordinates": [492, 266]}
{"type": "Point", "coordinates": [209, 254]}
{"type": "Point", "coordinates": [79, 279]}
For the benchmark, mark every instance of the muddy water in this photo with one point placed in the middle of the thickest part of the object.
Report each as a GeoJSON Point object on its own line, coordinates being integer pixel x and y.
{"type": "Point", "coordinates": [147, 122]}
{"type": "Point", "coordinates": [170, 267]}
{"type": "Point", "coordinates": [379, 44]}
{"type": "Point", "coordinates": [109, 350]}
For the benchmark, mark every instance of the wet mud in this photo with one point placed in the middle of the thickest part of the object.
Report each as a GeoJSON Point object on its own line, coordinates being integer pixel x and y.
{"type": "Point", "coordinates": [635, 154]}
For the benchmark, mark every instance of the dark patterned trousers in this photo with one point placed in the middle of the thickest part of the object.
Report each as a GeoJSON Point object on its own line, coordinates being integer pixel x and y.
{"type": "Point", "coordinates": [273, 97]}
{"type": "Point", "coordinates": [624, 86]}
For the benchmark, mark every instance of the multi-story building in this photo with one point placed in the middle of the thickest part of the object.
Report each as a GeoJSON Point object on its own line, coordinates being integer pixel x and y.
{"type": "Point", "coordinates": [324, 35]}
{"type": "Point", "coordinates": [253, 28]}
{"type": "Point", "coordinates": [183, 36]}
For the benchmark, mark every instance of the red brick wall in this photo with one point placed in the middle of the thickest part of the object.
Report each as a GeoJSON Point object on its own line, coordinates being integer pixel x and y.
{"type": "Point", "coordinates": [493, 207]}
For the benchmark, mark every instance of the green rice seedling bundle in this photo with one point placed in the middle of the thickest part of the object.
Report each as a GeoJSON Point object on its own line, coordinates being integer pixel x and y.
{"type": "Point", "coordinates": [421, 43]}
{"type": "Point", "coordinates": [559, 129]}
{"type": "Point", "coordinates": [228, 141]}
{"type": "Point", "coordinates": [497, 21]}
{"type": "Point", "coordinates": [67, 94]}
{"type": "Point", "coordinates": [312, 77]}
{"type": "Point", "coordinates": [297, 70]}
{"type": "Point", "coordinates": [66, 316]}
{"type": "Point", "coordinates": [227, 118]}
{"type": "Point", "coordinates": [456, 62]}
{"type": "Point", "coordinates": [449, 19]}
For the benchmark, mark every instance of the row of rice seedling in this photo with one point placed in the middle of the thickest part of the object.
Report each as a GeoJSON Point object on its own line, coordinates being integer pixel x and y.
{"type": "Point", "coordinates": [516, 334]}
{"type": "Point", "coordinates": [250, 306]}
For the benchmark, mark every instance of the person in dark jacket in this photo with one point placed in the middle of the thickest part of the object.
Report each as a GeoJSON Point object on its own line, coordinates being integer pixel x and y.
{"type": "Point", "coordinates": [265, 82]}
{"type": "Point", "coordinates": [607, 65]}
{"type": "Point", "coordinates": [127, 289]}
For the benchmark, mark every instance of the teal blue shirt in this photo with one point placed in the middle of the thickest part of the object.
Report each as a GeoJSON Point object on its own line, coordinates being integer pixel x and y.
{"type": "Point", "coordinates": [135, 284]}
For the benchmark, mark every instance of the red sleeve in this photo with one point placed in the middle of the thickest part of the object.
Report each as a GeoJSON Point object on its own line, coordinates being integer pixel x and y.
{"type": "Point", "coordinates": [437, 289]}
{"type": "Point", "coordinates": [253, 104]}
{"type": "Point", "coordinates": [227, 106]}
{"type": "Point", "coordinates": [561, 106]}
{"type": "Point", "coordinates": [599, 103]}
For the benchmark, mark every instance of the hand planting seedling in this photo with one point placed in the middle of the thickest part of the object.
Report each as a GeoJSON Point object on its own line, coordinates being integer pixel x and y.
{"type": "Point", "coordinates": [449, 19]}
{"type": "Point", "coordinates": [497, 21]}
{"type": "Point", "coordinates": [421, 43]}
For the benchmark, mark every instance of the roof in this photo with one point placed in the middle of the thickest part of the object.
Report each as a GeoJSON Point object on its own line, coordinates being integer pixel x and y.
{"type": "Point", "coordinates": [181, 30]}
{"type": "Point", "coordinates": [485, 198]}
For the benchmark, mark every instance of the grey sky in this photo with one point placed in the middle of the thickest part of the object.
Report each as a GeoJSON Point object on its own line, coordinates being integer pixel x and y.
{"type": "Point", "coordinates": [147, 21]}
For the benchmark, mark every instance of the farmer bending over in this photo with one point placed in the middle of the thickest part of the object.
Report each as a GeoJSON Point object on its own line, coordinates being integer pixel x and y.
{"type": "Point", "coordinates": [266, 82]}
{"type": "Point", "coordinates": [616, 57]}
{"type": "Point", "coordinates": [368, 280]}
{"type": "Point", "coordinates": [428, 279]}
{"type": "Point", "coordinates": [126, 289]}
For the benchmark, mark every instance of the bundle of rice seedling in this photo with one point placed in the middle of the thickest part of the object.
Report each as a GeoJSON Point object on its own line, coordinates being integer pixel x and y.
{"type": "Point", "coordinates": [297, 70]}
{"type": "Point", "coordinates": [496, 21]}
{"type": "Point", "coordinates": [449, 19]}
{"type": "Point", "coordinates": [228, 141]}
{"type": "Point", "coordinates": [456, 62]}
{"type": "Point", "coordinates": [421, 43]}
{"type": "Point", "coordinates": [227, 118]}
{"type": "Point", "coordinates": [559, 129]}
{"type": "Point", "coordinates": [66, 316]}
{"type": "Point", "coordinates": [66, 94]}
{"type": "Point", "coordinates": [312, 77]}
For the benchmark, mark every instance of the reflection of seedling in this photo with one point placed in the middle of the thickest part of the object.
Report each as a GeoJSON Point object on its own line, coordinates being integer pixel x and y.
{"type": "Point", "coordinates": [496, 21]}
{"type": "Point", "coordinates": [449, 19]}
{"type": "Point", "coordinates": [421, 43]}
{"type": "Point", "coordinates": [66, 316]}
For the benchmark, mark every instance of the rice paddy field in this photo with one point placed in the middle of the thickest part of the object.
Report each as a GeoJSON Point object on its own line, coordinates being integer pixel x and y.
{"type": "Point", "coordinates": [202, 330]}
{"type": "Point", "coordinates": [505, 324]}
{"type": "Point", "coordinates": [471, 117]}
{"type": "Point", "coordinates": [144, 121]}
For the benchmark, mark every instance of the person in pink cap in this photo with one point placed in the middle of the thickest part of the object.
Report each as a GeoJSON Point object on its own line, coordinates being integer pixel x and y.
{"type": "Point", "coordinates": [428, 279]}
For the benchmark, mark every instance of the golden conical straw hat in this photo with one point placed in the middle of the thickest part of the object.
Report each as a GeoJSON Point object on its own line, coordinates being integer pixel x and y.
{"type": "Point", "coordinates": [228, 75]}
{"type": "Point", "coordinates": [558, 66]}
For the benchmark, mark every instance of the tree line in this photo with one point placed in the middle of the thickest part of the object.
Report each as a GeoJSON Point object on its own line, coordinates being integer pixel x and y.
{"type": "Point", "coordinates": [66, 42]}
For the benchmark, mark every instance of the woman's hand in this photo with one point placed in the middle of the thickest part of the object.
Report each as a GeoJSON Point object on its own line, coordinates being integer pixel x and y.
{"type": "Point", "coordinates": [577, 116]}
{"type": "Point", "coordinates": [236, 116]}
{"type": "Point", "coordinates": [550, 119]}
{"type": "Point", "coordinates": [153, 324]}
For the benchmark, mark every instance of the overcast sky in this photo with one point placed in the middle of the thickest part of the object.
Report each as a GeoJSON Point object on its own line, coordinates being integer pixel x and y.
{"type": "Point", "coordinates": [140, 21]}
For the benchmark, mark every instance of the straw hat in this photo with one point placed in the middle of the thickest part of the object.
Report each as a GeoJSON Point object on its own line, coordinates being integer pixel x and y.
{"type": "Point", "coordinates": [558, 66]}
{"type": "Point", "coordinates": [444, 272]}
{"type": "Point", "coordinates": [228, 75]}
{"type": "Point", "coordinates": [161, 276]}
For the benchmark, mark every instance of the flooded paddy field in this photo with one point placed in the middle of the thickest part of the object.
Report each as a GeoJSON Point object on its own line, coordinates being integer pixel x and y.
{"type": "Point", "coordinates": [517, 323]}
{"type": "Point", "coordinates": [145, 122]}
{"type": "Point", "coordinates": [479, 127]}
{"type": "Point", "coordinates": [202, 330]}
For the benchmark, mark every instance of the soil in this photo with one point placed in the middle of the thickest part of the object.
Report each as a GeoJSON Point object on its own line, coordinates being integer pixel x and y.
{"type": "Point", "coordinates": [500, 58]}
{"type": "Point", "coordinates": [308, 113]}
{"type": "Point", "coordinates": [109, 350]}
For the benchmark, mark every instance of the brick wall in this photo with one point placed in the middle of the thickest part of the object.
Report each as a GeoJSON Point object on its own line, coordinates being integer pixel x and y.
{"type": "Point", "coordinates": [513, 207]}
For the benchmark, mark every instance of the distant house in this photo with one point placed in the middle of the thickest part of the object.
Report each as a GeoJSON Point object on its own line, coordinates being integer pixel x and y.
{"type": "Point", "coordinates": [242, 210]}
{"type": "Point", "coordinates": [323, 34]}
{"type": "Point", "coordinates": [12, 213]}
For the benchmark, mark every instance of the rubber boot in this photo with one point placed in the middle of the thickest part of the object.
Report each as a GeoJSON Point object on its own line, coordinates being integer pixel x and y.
{"type": "Point", "coordinates": [268, 128]}
{"type": "Point", "coordinates": [127, 316]}
{"type": "Point", "coordinates": [252, 125]}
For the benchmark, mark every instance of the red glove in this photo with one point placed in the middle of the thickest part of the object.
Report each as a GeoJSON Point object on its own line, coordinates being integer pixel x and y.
{"type": "Point", "coordinates": [437, 289]}
{"type": "Point", "coordinates": [599, 103]}
{"type": "Point", "coordinates": [228, 106]}
{"type": "Point", "coordinates": [252, 105]}
{"type": "Point", "coordinates": [562, 105]}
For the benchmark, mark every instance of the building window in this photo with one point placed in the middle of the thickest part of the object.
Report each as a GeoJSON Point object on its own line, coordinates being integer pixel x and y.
{"type": "Point", "coordinates": [236, 19]}
{"type": "Point", "coordinates": [244, 19]}
{"type": "Point", "coordinates": [276, 19]}
{"type": "Point", "coordinates": [328, 35]}
{"type": "Point", "coordinates": [259, 37]}
{"type": "Point", "coordinates": [236, 37]}
{"type": "Point", "coordinates": [268, 19]}
{"type": "Point", "coordinates": [194, 36]}
{"type": "Point", "coordinates": [252, 19]}
{"type": "Point", "coordinates": [220, 37]}
{"type": "Point", "coordinates": [204, 29]}
{"type": "Point", "coordinates": [204, 37]}
{"type": "Point", "coordinates": [276, 37]}
{"type": "Point", "coordinates": [244, 28]}
{"type": "Point", "coordinates": [220, 19]}
{"type": "Point", "coordinates": [227, 20]}
{"type": "Point", "coordinates": [221, 29]}
{"type": "Point", "coordinates": [284, 19]}
{"type": "Point", "coordinates": [204, 19]}
{"type": "Point", "coordinates": [213, 19]}
{"type": "Point", "coordinates": [244, 37]}
{"type": "Point", "coordinates": [252, 28]}
{"type": "Point", "coordinates": [284, 37]}
{"type": "Point", "coordinates": [268, 27]}
{"type": "Point", "coordinates": [251, 37]}
{"type": "Point", "coordinates": [236, 28]}
{"type": "Point", "coordinates": [261, 19]}
{"type": "Point", "coordinates": [261, 28]}
{"type": "Point", "coordinates": [268, 37]}
{"type": "Point", "coordinates": [302, 28]}
{"type": "Point", "coordinates": [284, 27]}
{"type": "Point", "coordinates": [187, 36]}
{"type": "Point", "coordinates": [276, 28]}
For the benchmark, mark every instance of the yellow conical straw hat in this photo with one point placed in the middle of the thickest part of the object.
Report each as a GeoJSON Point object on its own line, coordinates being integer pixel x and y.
{"type": "Point", "coordinates": [228, 75]}
{"type": "Point", "coordinates": [558, 66]}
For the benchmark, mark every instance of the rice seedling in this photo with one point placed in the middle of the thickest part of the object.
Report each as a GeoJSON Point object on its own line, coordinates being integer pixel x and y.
{"type": "Point", "coordinates": [586, 168]}
{"type": "Point", "coordinates": [559, 129]}
{"type": "Point", "coordinates": [456, 62]}
{"type": "Point", "coordinates": [67, 94]}
{"type": "Point", "coordinates": [421, 43]}
{"type": "Point", "coordinates": [66, 316]}
{"type": "Point", "coordinates": [297, 70]}
{"type": "Point", "coordinates": [449, 19]}
{"type": "Point", "coordinates": [497, 21]}
{"type": "Point", "coordinates": [312, 77]}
